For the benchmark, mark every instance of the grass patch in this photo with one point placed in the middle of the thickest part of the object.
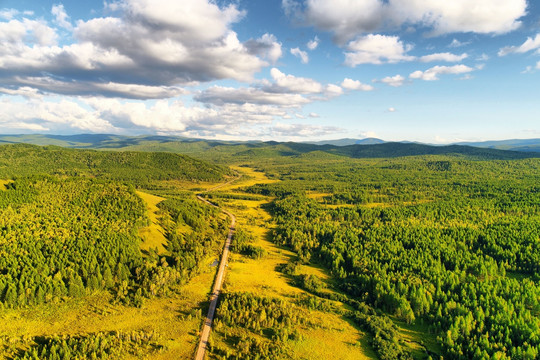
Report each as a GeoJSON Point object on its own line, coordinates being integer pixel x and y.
{"type": "Point", "coordinates": [3, 184]}
{"type": "Point", "coordinates": [325, 335]}
{"type": "Point", "coordinates": [176, 319]}
{"type": "Point", "coordinates": [153, 234]}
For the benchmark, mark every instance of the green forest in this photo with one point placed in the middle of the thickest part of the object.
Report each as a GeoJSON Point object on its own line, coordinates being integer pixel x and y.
{"type": "Point", "coordinates": [450, 243]}
{"type": "Point", "coordinates": [445, 241]}
{"type": "Point", "coordinates": [69, 224]}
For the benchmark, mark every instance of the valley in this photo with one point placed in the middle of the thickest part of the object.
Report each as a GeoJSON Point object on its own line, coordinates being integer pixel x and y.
{"type": "Point", "coordinates": [333, 256]}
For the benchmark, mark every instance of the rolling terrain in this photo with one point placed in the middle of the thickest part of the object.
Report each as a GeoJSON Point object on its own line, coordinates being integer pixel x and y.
{"type": "Point", "coordinates": [389, 251]}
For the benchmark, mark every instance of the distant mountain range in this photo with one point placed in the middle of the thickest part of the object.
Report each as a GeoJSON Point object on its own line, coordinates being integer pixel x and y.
{"type": "Point", "coordinates": [212, 149]}
{"type": "Point", "coordinates": [348, 141]}
{"type": "Point", "coordinates": [528, 145]}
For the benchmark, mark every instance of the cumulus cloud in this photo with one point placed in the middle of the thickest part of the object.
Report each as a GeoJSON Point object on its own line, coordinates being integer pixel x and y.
{"type": "Point", "coordinates": [15, 33]}
{"type": "Point", "coordinates": [151, 43]}
{"type": "Point", "coordinates": [304, 58]}
{"type": "Point", "coordinates": [312, 44]}
{"type": "Point", "coordinates": [61, 17]}
{"type": "Point", "coordinates": [529, 45]}
{"type": "Point", "coordinates": [434, 72]}
{"type": "Point", "coordinates": [25, 91]}
{"type": "Point", "coordinates": [344, 18]}
{"type": "Point", "coordinates": [347, 19]}
{"type": "Point", "coordinates": [8, 14]}
{"type": "Point", "coordinates": [266, 46]}
{"type": "Point", "coordinates": [448, 57]}
{"type": "Point", "coordinates": [218, 95]}
{"type": "Point", "coordinates": [395, 81]}
{"type": "Point", "coordinates": [376, 49]}
{"type": "Point", "coordinates": [482, 16]}
{"type": "Point", "coordinates": [286, 83]}
{"type": "Point", "coordinates": [333, 90]}
{"type": "Point", "coordinates": [351, 84]}
{"type": "Point", "coordinates": [281, 97]}
{"type": "Point", "coordinates": [39, 115]}
{"type": "Point", "coordinates": [107, 115]}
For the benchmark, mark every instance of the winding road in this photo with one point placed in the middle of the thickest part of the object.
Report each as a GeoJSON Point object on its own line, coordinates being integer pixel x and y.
{"type": "Point", "coordinates": [207, 326]}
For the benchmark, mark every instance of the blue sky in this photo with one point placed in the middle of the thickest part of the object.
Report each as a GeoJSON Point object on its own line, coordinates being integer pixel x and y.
{"type": "Point", "coordinates": [421, 70]}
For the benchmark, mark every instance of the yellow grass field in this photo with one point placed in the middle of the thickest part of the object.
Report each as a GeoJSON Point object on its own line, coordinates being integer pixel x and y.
{"type": "Point", "coordinates": [176, 319]}
{"type": "Point", "coordinates": [332, 336]}
{"type": "Point", "coordinates": [3, 184]}
{"type": "Point", "coordinates": [153, 234]}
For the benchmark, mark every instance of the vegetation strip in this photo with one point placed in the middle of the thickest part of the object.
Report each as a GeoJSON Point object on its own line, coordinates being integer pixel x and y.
{"type": "Point", "coordinates": [207, 326]}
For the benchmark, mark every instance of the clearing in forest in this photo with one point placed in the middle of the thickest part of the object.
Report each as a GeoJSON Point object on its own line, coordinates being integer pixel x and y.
{"type": "Point", "coordinates": [326, 334]}
{"type": "Point", "coordinates": [153, 235]}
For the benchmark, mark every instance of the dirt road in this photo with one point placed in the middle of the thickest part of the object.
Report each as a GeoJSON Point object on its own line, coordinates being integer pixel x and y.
{"type": "Point", "coordinates": [207, 327]}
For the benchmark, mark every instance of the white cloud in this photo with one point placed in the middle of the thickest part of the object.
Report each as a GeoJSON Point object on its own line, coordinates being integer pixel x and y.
{"type": "Point", "coordinates": [314, 115]}
{"type": "Point", "coordinates": [61, 17]}
{"type": "Point", "coordinates": [391, 109]}
{"type": "Point", "coordinates": [376, 49]}
{"type": "Point", "coordinates": [333, 90]}
{"type": "Point", "coordinates": [529, 45]}
{"type": "Point", "coordinates": [312, 44]}
{"type": "Point", "coordinates": [15, 33]}
{"type": "Point", "coordinates": [347, 19]}
{"type": "Point", "coordinates": [218, 95]}
{"type": "Point", "coordinates": [482, 16]}
{"type": "Point", "coordinates": [279, 97]}
{"type": "Point", "coordinates": [394, 81]}
{"type": "Point", "coordinates": [151, 43]}
{"type": "Point", "coordinates": [284, 83]}
{"type": "Point", "coordinates": [105, 115]}
{"type": "Point", "coordinates": [351, 84]}
{"type": "Point", "coordinates": [25, 91]}
{"type": "Point", "coordinates": [456, 43]}
{"type": "Point", "coordinates": [538, 65]}
{"type": "Point", "coordinates": [433, 73]}
{"type": "Point", "coordinates": [344, 18]}
{"type": "Point", "coordinates": [304, 58]}
{"type": "Point", "coordinates": [8, 14]}
{"type": "Point", "coordinates": [448, 57]}
{"type": "Point", "coordinates": [266, 46]}
{"type": "Point", "coordinates": [39, 115]}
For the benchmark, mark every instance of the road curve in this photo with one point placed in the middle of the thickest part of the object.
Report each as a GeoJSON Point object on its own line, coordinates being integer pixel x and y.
{"type": "Point", "coordinates": [207, 326]}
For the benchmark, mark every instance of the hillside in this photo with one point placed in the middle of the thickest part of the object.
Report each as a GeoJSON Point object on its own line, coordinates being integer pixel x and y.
{"type": "Point", "coordinates": [137, 167]}
{"type": "Point", "coordinates": [226, 151]}
{"type": "Point", "coordinates": [528, 145]}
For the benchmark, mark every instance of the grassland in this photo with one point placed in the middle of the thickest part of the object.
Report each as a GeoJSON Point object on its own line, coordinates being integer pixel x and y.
{"type": "Point", "coordinates": [176, 318]}
{"type": "Point", "coordinates": [328, 335]}
{"type": "Point", "coordinates": [3, 184]}
{"type": "Point", "coordinates": [153, 235]}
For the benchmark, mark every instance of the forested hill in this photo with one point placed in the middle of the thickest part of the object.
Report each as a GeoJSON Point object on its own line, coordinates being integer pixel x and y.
{"type": "Point", "coordinates": [387, 150]}
{"type": "Point", "coordinates": [18, 160]}
{"type": "Point", "coordinates": [227, 151]}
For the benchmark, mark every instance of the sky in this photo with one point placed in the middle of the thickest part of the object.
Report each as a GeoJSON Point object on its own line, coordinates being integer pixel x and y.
{"type": "Point", "coordinates": [432, 71]}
